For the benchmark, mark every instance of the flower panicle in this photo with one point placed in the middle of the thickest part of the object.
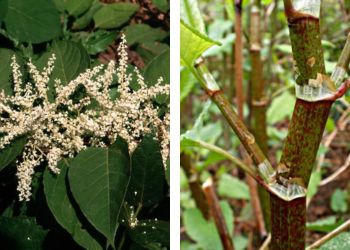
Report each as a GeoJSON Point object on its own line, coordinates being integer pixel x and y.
{"type": "Point", "coordinates": [54, 132]}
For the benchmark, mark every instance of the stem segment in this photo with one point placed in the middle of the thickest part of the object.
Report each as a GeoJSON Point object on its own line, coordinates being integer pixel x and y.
{"type": "Point", "coordinates": [304, 134]}
{"type": "Point", "coordinates": [258, 99]}
{"type": "Point", "coordinates": [216, 212]}
{"type": "Point", "coordinates": [239, 57]}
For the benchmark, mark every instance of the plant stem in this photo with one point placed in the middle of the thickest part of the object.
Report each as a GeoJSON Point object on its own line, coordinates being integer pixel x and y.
{"type": "Point", "coordinates": [265, 245]}
{"type": "Point", "coordinates": [304, 134]}
{"type": "Point", "coordinates": [330, 235]}
{"type": "Point", "coordinates": [121, 243]}
{"type": "Point", "coordinates": [288, 190]}
{"type": "Point", "coordinates": [209, 84]}
{"type": "Point", "coordinates": [195, 184]}
{"type": "Point", "coordinates": [217, 214]}
{"type": "Point", "coordinates": [258, 100]}
{"type": "Point", "coordinates": [239, 57]}
{"type": "Point", "coordinates": [246, 168]}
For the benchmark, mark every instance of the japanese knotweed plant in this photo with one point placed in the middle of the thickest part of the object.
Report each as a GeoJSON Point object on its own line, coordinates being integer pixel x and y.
{"type": "Point", "coordinates": [64, 127]}
{"type": "Point", "coordinates": [315, 91]}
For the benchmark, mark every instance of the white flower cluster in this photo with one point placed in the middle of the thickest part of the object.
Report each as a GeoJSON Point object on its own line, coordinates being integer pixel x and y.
{"type": "Point", "coordinates": [65, 126]}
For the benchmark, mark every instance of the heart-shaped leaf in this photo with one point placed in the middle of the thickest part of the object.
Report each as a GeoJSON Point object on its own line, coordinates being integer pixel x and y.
{"type": "Point", "coordinates": [99, 179]}
{"type": "Point", "coordinates": [60, 203]}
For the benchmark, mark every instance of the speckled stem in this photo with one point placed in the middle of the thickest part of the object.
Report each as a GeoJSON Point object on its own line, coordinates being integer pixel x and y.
{"type": "Point", "coordinates": [304, 135]}
{"type": "Point", "coordinates": [209, 84]}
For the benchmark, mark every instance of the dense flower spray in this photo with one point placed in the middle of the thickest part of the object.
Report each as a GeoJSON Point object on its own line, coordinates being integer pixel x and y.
{"type": "Point", "coordinates": [63, 127]}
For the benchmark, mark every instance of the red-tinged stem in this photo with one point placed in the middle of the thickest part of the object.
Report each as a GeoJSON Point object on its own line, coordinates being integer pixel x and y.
{"type": "Point", "coordinates": [217, 214]}
{"type": "Point", "coordinates": [304, 134]}
{"type": "Point", "coordinates": [258, 98]}
{"type": "Point", "coordinates": [195, 185]}
{"type": "Point", "coordinates": [239, 57]}
{"type": "Point", "coordinates": [266, 175]}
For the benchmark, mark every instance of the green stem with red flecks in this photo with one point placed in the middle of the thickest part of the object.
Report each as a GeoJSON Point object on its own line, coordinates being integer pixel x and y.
{"type": "Point", "coordinates": [304, 134]}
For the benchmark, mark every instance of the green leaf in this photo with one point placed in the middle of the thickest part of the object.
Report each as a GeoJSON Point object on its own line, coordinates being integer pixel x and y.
{"type": "Point", "coordinates": [281, 107]}
{"type": "Point", "coordinates": [313, 184]}
{"type": "Point", "coordinates": [60, 203]}
{"type": "Point", "coordinates": [230, 9]}
{"type": "Point", "coordinates": [99, 41]}
{"type": "Point", "coordinates": [340, 242]}
{"type": "Point", "coordinates": [162, 5]}
{"type": "Point", "coordinates": [266, 2]}
{"type": "Point", "coordinates": [71, 60]}
{"type": "Point", "coordinates": [158, 67]}
{"type": "Point", "coordinates": [98, 179]}
{"type": "Point", "coordinates": [285, 48]}
{"type": "Point", "coordinates": [339, 201]}
{"type": "Point", "coordinates": [148, 232]}
{"type": "Point", "coordinates": [60, 5]}
{"type": "Point", "coordinates": [141, 33]}
{"type": "Point", "coordinates": [187, 82]}
{"type": "Point", "coordinates": [114, 15]}
{"type": "Point", "coordinates": [149, 50]}
{"type": "Point", "coordinates": [203, 232]}
{"type": "Point", "coordinates": [324, 225]}
{"type": "Point", "coordinates": [83, 21]}
{"type": "Point", "coordinates": [33, 21]}
{"type": "Point", "coordinates": [21, 233]}
{"type": "Point", "coordinates": [232, 187]}
{"type": "Point", "coordinates": [191, 15]}
{"type": "Point", "coordinates": [330, 125]}
{"type": "Point", "coordinates": [228, 216]}
{"type": "Point", "coordinates": [147, 174]}
{"type": "Point", "coordinates": [240, 242]}
{"type": "Point", "coordinates": [3, 9]}
{"type": "Point", "coordinates": [11, 151]}
{"type": "Point", "coordinates": [193, 44]}
{"type": "Point", "coordinates": [77, 7]}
